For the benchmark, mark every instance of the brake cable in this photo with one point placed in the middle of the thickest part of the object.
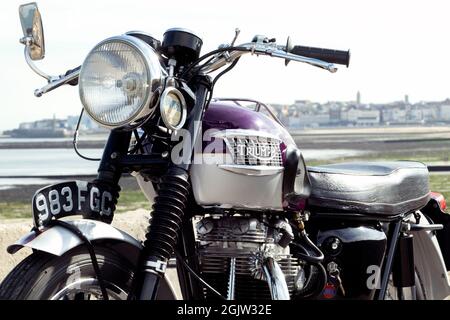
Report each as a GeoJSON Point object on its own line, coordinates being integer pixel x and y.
{"type": "Point", "coordinates": [91, 251]}
{"type": "Point", "coordinates": [75, 140]}
{"type": "Point", "coordinates": [189, 269]}
{"type": "Point", "coordinates": [231, 66]}
{"type": "Point", "coordinates": [196, 62]}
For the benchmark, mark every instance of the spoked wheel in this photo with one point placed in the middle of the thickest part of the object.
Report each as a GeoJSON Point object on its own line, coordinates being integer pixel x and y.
{"type": "Point", "coordinates": [89, 289]}
{"type": "Point", "coordinates": [42, 276]}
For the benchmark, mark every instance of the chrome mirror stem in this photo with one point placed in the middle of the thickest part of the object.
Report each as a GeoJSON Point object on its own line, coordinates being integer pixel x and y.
{"type": "Point", "coordinates": [31, 63]}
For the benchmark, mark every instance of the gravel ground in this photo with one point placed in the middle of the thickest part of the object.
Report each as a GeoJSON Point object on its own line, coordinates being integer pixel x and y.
{"type": "Point", "coordinates": [133, 222]}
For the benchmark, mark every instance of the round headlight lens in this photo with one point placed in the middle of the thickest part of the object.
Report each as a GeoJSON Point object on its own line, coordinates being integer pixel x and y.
{"type": "Point", "coordinates": [173, 108]}
{"type": "Point", "coordinates": [118, 79]}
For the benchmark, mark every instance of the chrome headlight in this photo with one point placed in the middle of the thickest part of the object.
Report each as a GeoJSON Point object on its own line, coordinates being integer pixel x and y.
{"type": "Point", "coordinates": [118, 80]}
{"type": "Point", "coordinates": [173, 108]}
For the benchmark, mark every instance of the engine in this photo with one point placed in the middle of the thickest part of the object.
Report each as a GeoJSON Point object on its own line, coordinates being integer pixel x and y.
{"type": "Point", "coordinates": [232, 250]}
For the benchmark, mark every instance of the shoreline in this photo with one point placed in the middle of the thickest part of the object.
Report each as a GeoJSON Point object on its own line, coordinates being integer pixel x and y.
{"type": "Point", "coordinates": [24, 193]}
{"type": "Point", "coordinates": [51, 145]}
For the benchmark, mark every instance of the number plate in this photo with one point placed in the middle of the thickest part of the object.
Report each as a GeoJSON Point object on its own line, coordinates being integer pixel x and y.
{"type": "Point", "coordinates": [72, 198]}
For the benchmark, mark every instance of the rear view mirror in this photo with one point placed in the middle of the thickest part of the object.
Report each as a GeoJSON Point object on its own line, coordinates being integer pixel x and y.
{"type": "Point", "coordinates": [33, 32]}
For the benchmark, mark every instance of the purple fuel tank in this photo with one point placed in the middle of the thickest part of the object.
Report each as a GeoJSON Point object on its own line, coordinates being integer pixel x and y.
{"type": "Point", "coordinates": [225, 115]}
{"type": "Point", "coordinates": [251, 178]}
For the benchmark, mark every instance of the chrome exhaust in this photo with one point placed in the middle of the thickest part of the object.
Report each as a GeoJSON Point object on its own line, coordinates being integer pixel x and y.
{"type": "Point", "coordinates": [276, 280]}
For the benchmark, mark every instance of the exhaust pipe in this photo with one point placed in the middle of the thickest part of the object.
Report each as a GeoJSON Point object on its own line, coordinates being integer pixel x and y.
{"type": "Point", "coordinates": [276, 280]}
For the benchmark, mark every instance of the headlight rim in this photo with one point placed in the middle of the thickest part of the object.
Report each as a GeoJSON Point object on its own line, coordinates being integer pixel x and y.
{"type": "Point", "coordinates": [147, 53]}
{"type": "Point", "coordinates": [165, 93]}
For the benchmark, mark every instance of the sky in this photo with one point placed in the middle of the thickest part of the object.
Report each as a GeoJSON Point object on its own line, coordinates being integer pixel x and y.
{"type": "Point", "coordinates": [397, 48]}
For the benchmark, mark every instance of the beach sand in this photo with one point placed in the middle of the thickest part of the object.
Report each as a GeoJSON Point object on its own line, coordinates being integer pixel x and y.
{"type": "Point", "coordinates": [133, 222]}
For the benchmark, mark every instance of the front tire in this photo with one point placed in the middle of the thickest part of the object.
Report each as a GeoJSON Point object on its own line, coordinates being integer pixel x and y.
{"type": "Point", "coordinates": [42, 276]}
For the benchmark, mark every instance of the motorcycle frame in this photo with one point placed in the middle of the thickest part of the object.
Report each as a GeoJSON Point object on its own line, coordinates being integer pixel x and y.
{"type": "Point", "coordinates": [426, 251]}
{"type": "Point", "coordinates": [115, 161]}
{"type": "Point", "coordinates": [112, 167]}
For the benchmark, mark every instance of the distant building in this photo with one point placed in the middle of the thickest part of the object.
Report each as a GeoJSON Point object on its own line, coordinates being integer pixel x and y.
{"type": "Point", "coordinates": [430, 114]}
{"type": "Point", "coordinates": [300, 114]}
{"type": "Point", "coordinates": [87, 124]}
{"type": "Point", "coordinates": [46, 128]}
{"type": "Point", "coordinates": [309, 121]}
{"type": "Point", "coordinates": [361, 117]}
{"type": "Point", "coordinates": [304, 113]}
{"type": "Point", "coordinates": [444, 112]}
{"type": "Point", "coordinates": [54, 128]}
{"type": "Point", "coordinates": [394, 115]}
{"type": "Point", "coordinates": [335, 115]}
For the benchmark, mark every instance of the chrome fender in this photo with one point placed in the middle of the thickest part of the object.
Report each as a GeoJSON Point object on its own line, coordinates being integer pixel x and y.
{"type": "Point", "coordinates": [430, 263]}
{"type": "Point", "coordinates": [58, 240]}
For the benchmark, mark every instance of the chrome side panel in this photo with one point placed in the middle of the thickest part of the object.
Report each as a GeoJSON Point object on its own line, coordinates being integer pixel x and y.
{"type": "Point", "coordinates": [213, 185]}
{"type": "Point", "coordinates": [430, 264]}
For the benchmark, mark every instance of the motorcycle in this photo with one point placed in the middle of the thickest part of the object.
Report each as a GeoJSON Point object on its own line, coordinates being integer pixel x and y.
{"type": "Point", "coordinates": [236, 212]}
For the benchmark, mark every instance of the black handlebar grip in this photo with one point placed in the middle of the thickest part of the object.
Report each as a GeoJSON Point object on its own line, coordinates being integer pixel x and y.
{"type": "Point", "coordinates": [328, 55]}
{"type": "Point", "coordinates": [73, 82]}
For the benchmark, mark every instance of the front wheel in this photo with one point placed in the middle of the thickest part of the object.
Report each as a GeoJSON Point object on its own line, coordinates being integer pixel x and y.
{"type": "Point", "coordinates": [42, 276]}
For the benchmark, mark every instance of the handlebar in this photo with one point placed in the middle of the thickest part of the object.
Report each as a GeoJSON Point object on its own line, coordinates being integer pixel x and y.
{"type": "Point", "coordinates": [71, 77]}
{"type": "Point", "coordinates": [318, 57]}
{"type": "Point", "coordinates": [328, 55]}
{"type": "Point", "coordinates": [263, 48]}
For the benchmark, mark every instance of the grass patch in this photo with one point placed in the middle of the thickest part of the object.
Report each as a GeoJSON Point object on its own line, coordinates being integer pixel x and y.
{"type": "Point", "coordinates": [128, 200]}
{"type": "Point", "coordinates": [441, 183]}
{"type": "Point", "coordinates": [15, 210]}
{"type": "Point", "coordinates": [135, 199]}
{"type": "Point", "coordinates": [132, 200]}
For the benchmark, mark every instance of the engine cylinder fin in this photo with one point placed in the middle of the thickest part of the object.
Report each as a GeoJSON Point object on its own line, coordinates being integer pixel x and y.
{"type": "Point", "coordinates": [215, 271]}
{"type": "Point", "coordinates": [248, 240]}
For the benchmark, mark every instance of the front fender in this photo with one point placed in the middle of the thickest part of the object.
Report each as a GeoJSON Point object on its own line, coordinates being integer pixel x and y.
{"type": "Point", "coordinates": [58, 240]}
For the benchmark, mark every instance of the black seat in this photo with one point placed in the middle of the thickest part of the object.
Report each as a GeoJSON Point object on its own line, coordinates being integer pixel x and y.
{"type": "Point", "coordinates": [383, 188]}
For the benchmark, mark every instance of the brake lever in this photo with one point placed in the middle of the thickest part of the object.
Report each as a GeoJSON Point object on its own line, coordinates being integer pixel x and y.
{"type": "Point", "coordinates": [53, 84]}
{"type": "Point", "coordinates": [331, 67]}
{"type": "Point", "coordinates": [271, 49]}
